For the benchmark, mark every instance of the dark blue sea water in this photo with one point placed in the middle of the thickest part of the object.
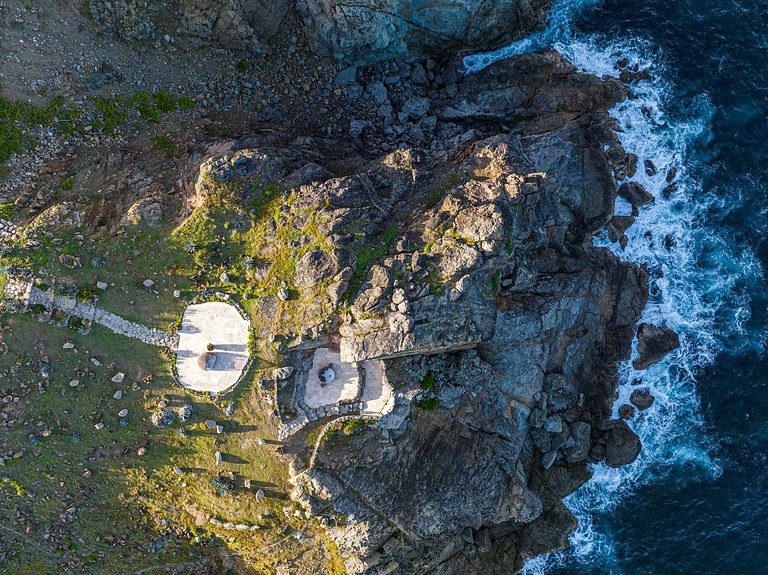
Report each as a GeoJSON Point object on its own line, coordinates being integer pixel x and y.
{"type": "Point", "coordinates": [696, 501]}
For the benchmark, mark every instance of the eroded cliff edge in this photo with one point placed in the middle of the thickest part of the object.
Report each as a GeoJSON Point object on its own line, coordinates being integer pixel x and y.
{"type": "Point", "coordinates": [496, 322]}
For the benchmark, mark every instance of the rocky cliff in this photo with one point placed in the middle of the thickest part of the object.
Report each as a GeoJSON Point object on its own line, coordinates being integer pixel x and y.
{"type": "Point", "coordinates": [373, 30]}
{"type": "Point", "coordinates": [467, 267]}
{"type": "Point", "coordinates": [359, 32]}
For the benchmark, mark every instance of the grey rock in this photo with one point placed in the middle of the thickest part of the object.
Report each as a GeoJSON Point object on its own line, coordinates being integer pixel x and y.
{"type": "Point", "coordinates": [416, 108]}
{"type": "Point", "coordinates": [346, 76]}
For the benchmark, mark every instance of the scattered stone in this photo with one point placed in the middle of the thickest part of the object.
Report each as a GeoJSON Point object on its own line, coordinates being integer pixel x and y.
{"type": "Point", "coordinates": [622, 445]}
{"type": "Point", "coordinates": [416, 108]}
{"type": "Point", "coordinates": [185, 412]}
{"type": "Point", "coordinates": [118, 394]}
{"type": "Point", "coordinates": [162, 418]}
{"type": "Point", "coordinates": [148, 283]}
{"type": "Point", "coordinates": [176, 293]}
{"type": "Point", "coordinates": [69, 345]}
{"type": "Point", "coordinates": [346, 76]}
{"type": "Point", "coordinates": [102, 285]}
{"type": "Point", "coordinates": [218, 458]}
{"type": "Point", "coordinates": [553, 424]}
{"type": "Point", "coordinates": [74, 383]}
{"type": "Point", "coordinates": [118, 378]}
{"type": "Point", "coordinates": [178, 471]}
{"type": "Point", "coordinates": [123, 412]}
{"type": "Point", "coordinates": [219, 428]}
{"type": "Point", "coordinates": [548, 459]}
{"type": "Point", "coordinates": [230, 409]}
{"type": "Point", "coordinates": [142, 451]}
{"type": "Point", "coordinates": [281, 373]}
{"type": "Point", "coordinates": [635, 194]}
{"type": "Point", "coordinates": [283, 294]}
{"type": "Point", "coordinates": [99, 426]}
{"type": "Point", "coordinates": [210, 424]}
{"type": "Point", "coordinates": [259, 495]}
{"type": "Point", "coordinates": [95, 362]}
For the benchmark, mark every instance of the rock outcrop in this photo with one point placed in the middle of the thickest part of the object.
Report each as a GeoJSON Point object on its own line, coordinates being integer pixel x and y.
{"type": "Point", "coordinates": [375, 30]}
{"type": "Point", "coordinates": [468, 269]}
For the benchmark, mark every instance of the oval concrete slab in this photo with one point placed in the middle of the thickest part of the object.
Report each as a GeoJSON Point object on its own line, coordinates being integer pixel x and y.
{"type": "Point", "coordinates": [216, 323]}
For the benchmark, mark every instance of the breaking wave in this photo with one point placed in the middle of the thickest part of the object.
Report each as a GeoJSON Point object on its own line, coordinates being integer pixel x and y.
{"type": "Point", "coordinates": [694, 280]}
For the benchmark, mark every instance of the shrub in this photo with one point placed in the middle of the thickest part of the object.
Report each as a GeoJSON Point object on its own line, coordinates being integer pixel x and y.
{"type": "Point", "coordinates": [85, 294]}
{"type": "Point", "coordinates": [353, 426]}
{"type": "Point", "coordinates": [6, 211]}
{"type": "Point", "coordinates": [242, 66]}
{"type": "Point", "coordinates": [210, 347]}
{"type": "Point", "coordinates": [165, 102]}
{"type": "Point", "coordinates": [428, 403]}
{"type": "Point", "coordinates": [68, 184]}
{"type": "Point", "coordinates": [185, 103]}
{"type": "Point", "coordinates": [428, 381]}
{"type": "Point", "coordinates": [165, 144]}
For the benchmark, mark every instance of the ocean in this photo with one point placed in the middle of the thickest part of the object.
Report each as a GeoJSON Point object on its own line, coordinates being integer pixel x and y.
{"type": "Point", "coordinates": [696, 500]}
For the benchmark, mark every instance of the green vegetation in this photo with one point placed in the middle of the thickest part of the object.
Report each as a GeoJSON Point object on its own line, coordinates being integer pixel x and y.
{"type": "Point", "coordinates": [164, 143]}
{"type": "Point", "coordinates": [68, 184]}
{"type": "Point", "coordinates": [428, 403]}
{"type": "Point", "coordinates": [367, 255]}
{"type": "Point", "coordinates": [6, 211]}
{"type": "Point", "coordinates": [19, 118]}
{"type": "Point", "coordinates": [69, 468]}
{"type": "Point", "coordinates": [428, 381]}
{"type": "Point", "coordinates": [436, 194]}
{"type": "Point", "coordinates": [353, 426]}
{"type": "Point", "coordinates": [242, 66]}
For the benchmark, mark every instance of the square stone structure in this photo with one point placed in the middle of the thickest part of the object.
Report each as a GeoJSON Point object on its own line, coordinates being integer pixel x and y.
{"type": "Point", "coordinates": [222, 325]}
{"type": "Point", "coordinates": [344, 387]}
{"type": "Point", "coordinates": [372, 390]}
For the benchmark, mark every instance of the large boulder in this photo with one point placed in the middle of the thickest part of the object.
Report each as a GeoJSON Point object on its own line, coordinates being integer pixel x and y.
{"type": "Point", "coordinates": [654, 344]}
{"type": "Point", "coordinates": [233, 23]}
{"type": "Point", "coordinates": [314, 267]}
{"type": "Point", "coordinates": [622, 445]}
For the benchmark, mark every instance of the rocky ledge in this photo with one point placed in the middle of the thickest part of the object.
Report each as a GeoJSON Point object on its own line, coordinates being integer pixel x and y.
{"type": "Point", "coordinates": [469, 270]}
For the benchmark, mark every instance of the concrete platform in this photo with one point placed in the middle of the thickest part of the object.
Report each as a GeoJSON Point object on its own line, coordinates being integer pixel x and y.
{"type": "Point", "coordinates": [345, 386]}
{"type": "Point", "coordinates": [220, 324]}
{"type": "Point", "coordinates": [376, 391]}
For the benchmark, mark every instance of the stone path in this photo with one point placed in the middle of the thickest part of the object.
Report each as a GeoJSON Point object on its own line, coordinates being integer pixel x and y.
{"type": "Point", "coordinates": [222, 325]}
{"type": "Point", "coordinates": [29, 295]}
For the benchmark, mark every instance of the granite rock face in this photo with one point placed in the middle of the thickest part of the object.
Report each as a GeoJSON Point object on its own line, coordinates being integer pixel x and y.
{"type": "Point", "coordinates": [233, 23]}
{"type": "Point", "coordinates": [375, 30]}
{"type": "Point", "coordinates": [468, 268]}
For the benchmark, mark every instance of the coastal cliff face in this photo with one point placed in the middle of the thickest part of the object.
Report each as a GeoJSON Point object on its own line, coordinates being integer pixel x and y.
{"type": "Point", "coordinates": [353, 32]}
{"type": "Point", "coordinates": [370, 31]}
{"type": "Point", "coordinates": [499, 325]}
{"type": "Point", "coordinates": [439, 226]}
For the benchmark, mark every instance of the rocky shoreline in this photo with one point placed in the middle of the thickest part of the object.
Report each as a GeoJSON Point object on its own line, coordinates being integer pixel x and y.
{"type": "Point", "coordinates": [442, 225]}
{"type": "Point", "coordinates": [490, 290]}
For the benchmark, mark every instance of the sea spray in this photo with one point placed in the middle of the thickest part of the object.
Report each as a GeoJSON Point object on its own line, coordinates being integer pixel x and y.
{"type": "Point", "coordinates": [693, 277]}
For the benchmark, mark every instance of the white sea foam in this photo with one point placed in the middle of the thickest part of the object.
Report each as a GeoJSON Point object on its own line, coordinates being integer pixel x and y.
{"type": "Point", "coordinates": [693, 284]}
